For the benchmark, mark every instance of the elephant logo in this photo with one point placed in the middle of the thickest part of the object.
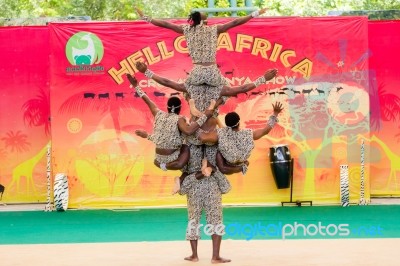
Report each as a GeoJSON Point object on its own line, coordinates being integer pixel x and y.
{"type": "Point", "coordinates": [84, 48]}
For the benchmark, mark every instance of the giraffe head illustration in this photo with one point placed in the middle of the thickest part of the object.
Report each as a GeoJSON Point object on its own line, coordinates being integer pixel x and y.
{"type": "Point", "coordinates": [84, 48]}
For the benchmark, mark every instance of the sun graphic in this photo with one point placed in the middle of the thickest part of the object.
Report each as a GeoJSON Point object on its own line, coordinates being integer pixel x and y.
{"type": "Point", "coordinates": [74, 125]}
{"type": "Point", "coordinates": [350, 106]}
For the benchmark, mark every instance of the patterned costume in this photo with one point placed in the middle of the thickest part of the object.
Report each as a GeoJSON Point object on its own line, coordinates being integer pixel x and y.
{"type": "Point", "coordinates": [223, 182]}
{"type": "Point", "coordinates": [166, 135]}
{"type": "Point", "coordinates": [203, 80]}
{"type": "Point", "coordinates": [203, 94]}
{"type": "Point", "coordinates": [202, 44]}
{"type": "Point", "coordinates": [202, 194]}
{"type": "Point", "coordinates": [235, 146]}
{"type": "Point", "coordinates": [210, 155]}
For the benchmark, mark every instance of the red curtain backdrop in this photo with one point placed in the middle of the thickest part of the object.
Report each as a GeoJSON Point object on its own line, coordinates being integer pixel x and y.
{"type": "Point", "coordinates": [384, 37]}
{"type": "Point", "coordinates": [332, 74]}
{"type": "Point", "coordinates": [25, 112]}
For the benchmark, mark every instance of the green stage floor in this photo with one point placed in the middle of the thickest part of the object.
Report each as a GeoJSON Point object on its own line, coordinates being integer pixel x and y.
{"type": "Point", "coordinates": [244, 223]}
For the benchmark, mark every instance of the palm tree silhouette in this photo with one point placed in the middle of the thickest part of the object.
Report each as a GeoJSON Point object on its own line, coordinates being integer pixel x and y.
{"type": "Point", "coordinates": [111, 105]}
{"type": "Point", "coordinates": [37, 111]}
{"type": "Point", "coordinates": [390, 105]}
{"type": "Point", "coordinates": [16, 141]}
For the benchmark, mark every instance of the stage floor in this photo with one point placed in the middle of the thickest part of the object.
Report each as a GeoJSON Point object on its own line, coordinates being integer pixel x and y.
{"type": "Point", "coordinates": [325, 252]}
{"type": "Point", "coordinates": [325, 235]}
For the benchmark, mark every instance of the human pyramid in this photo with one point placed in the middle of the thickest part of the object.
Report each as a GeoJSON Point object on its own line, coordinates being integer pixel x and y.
{"type": "Point", "coordinates": [204, 152]}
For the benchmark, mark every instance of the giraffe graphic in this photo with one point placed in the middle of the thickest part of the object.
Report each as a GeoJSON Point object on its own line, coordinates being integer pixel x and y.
{"type": "Point", "coordinates": [25, 169]}
{"type": "Point", "coordinates": [394, 160]}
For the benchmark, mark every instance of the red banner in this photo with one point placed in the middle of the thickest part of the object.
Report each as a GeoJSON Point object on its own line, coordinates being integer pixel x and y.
{"type": "Point", "coordinates": [322, 81]}
{"type": "Point", "coordinates": [337, 80]}
{"type": "Point", "coordinates": [25, 112]}
{"type": "Point", "coordinates": [384, 36]}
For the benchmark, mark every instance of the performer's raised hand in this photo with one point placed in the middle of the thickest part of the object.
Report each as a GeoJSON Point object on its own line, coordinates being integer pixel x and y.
{"type": "Point", "coordinates": [132, 80]}
{"type": "Point", "coordinates": [270, 74]}
{"type": "Point", "coordinates": [142, 67]}
{"type": "Point", "coordinates": [141, 133]}
{"type": "Point", "coordinates": [277, 108]}
{"type": "Point", "coordinates": [262, 11]}
{"type": "Point", "coordinates": [159, 22]}
{"type": "Point", "coordinates": [134, 84]}
{"type": "Point", "coordinates": [140, 12]}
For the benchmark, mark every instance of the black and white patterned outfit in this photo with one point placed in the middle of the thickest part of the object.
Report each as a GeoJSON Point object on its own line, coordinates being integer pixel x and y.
{"type": "Point", "coordinates": [201, 194]}
{"type": "Point", "coordinates": [202, 44]}
{"type": "Point", "coordinates": [235, 145]}
{"type": "Point", "coordinates": [210, 155]}
{"type": "Point", "coordinates": [203, 80]}
{"type": "Point", "coordinates": [203, 94]}
{"type": "Point", "coordinates": [166, 135]}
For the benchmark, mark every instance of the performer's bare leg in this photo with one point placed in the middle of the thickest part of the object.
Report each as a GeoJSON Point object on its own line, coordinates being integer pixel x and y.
{"type": "Point", "coordinates": [193, 109]}
{"type": "Point", "coordinates": [194, 257]}
{"type": "Point", "coordinates": [205, 169]}
{"type": "Point", "coordinates": [178, 182]}
{"type": "Point", "coordinates": [216, 241]}
{"type": "Point", "coordinates": [212, 104]}
{"type": "Point", "coordinates": [177, 185]}
{"type": "Point", "coordinates": [219, 123]}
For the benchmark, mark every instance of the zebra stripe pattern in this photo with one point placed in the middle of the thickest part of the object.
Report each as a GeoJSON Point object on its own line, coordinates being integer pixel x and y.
{"type": "Point", "coordinates": [362, 185]}
{"type": "Point", "coordinates": [344, 185]}
{"type": "Point", "coordinates": [49, 207]}
{"type": "Point", "coordinates": [61, 192]}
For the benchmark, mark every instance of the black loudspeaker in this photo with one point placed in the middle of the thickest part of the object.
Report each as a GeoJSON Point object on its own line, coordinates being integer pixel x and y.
{"type": "Point", "coordinates": [281, 165]}
{"type": "Point", "coordinates": [1, 191]}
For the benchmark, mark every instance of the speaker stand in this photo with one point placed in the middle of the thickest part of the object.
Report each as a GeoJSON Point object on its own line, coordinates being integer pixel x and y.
{"type": "Point", "coordinates": [291, 202]}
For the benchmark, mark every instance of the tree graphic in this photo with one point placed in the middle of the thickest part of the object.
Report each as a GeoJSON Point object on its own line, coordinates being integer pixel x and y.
{"type": "Point", "coordinates": [16, 141]}
{"type": "Point", "coordinates": [390, 105]}
{"type": "Point", "coordinates": [321, 113]}
{"type": "Point", "coordinates": [110, 161]}
{"type": "Point", "coordinates": [36, 111]}
{"type": "Point", "coordinates": [326, 118]}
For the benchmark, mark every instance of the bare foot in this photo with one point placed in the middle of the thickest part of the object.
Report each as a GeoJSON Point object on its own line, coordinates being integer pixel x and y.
{"type": "Point", "coordinates": [192, 258]}
{"type": "Point", "coordinates": [212, 105]}
{"type": "Point", "coordinates": [193, 109]}
{"type": "Point", "coordinates": [204, 169]}
{"type": "Point", "coordinates": [220, 260]}
{"type": "Point", "coordinates": [177, 185]}
{"type": "Point", "coordinates": [207, 171]}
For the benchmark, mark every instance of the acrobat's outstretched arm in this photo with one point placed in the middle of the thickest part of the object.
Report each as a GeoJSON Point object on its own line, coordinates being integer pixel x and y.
{"type": "Point", "coordinates": [239, 21]}
{"type": "Point", "coordinates": [233, 91]}
{"type": "Point", "coordinates": [152, 106]}
{"type": "Point", "coordinates": [258, 133]}
{"type": "Point", "coordinates": [142, 67]}
{"type": "Point", "coordinates": [159, 22]}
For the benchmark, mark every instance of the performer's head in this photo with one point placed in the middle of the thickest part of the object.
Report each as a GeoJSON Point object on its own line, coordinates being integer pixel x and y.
{"type": "Point", "coordinates": [174, 105]}
{"type": "Point", "coordinates": [195, 18]}
{"type": "Point", "coordinates": [232, 120]}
